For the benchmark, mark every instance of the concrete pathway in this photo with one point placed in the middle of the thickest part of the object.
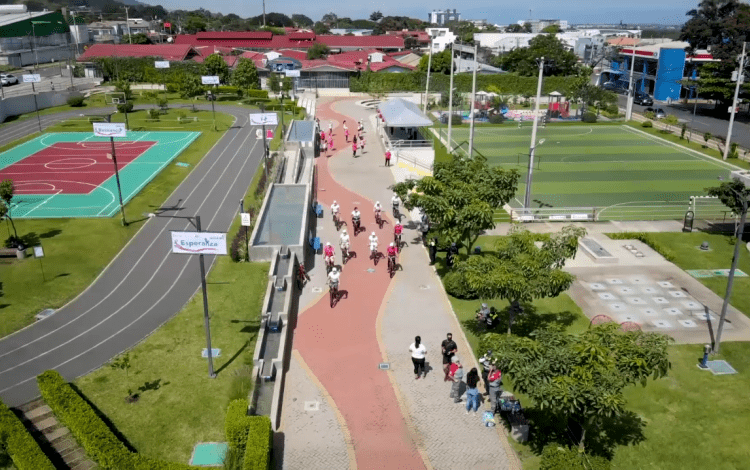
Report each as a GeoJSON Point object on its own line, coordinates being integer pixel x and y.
{"type": "Point", "coordinates": [386, 419]}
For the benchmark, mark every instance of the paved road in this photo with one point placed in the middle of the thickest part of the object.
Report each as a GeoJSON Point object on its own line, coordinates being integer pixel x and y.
{"type": "Point", "coordinates": [144, 285]}
{"type": "Point", "coordinates": [704, 120]}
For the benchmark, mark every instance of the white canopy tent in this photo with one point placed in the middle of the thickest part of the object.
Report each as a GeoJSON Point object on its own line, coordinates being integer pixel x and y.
{"type": "Point", "coordinates": [398, 112]}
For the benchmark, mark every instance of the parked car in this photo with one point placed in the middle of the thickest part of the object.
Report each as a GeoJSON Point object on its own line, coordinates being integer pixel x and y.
{"type": "Point", "coordinates": [659, 113]}
{"type": "Point", "coordinates": [614, 86]}
{"type": "Point", "coordinates": [7, 79]}
{"type": "Point", "coordinates": [642, 99]}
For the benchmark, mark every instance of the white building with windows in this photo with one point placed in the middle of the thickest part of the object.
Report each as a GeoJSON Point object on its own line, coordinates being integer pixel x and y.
{"type": "Point", "coordinates": [441, 38]}
{"type": "Point", "coordinates": [441, 17]}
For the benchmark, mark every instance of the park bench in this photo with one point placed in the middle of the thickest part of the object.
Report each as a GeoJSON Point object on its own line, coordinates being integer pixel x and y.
{"type": "Point", "coordinates": [10, 253]}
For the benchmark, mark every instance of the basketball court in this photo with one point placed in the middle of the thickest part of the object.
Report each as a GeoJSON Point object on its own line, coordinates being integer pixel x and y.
{"type": "Point", "coordinates": [73, 174]}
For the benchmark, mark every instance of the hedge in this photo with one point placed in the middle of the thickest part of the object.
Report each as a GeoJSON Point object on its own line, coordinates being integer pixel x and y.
{"type": "Point", "coordinates": [249, 435]}
{"type": "Point", "coordinates": [648, 240]}
{"type": "Point", "coordinates": [91, 432]}
{"type": "Point", "coordinates": [22, 448]}
{"type": "Point", "coordinates": [555, 457]}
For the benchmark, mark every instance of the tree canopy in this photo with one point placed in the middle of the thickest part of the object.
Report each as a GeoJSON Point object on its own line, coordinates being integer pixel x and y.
{"type": "Point", "coordinates": [216, 65]}
{"type": "Point", "coordinates": [461, 197]}
{"type": "Point", "coordinates": [397, 23]}
{"type": "Point", "coordinates": [302, 21]}
{"type": "Point", "coordinates": [552, 29]}
{"type": "Point", "coordinates": [580, 378]}
{"type": "Point", "coordinates": [7, 189]}
{"type": "Point", "coordinates": [375, 15]}
{"type": "Point", "coordinates": [523, 60]}
{"type": "Point", "coordinates": [731, 193]}
{"type": "Point", "coordinates": [245, 76]}
{"type": "Point", "coordinates": [317, 51]}
{"type": "Point", "coordinates": [139, 38]}
{"type": "Point", "coordinates": [441, 62]}
{"type": "Point", "coordinates": [321, 28]}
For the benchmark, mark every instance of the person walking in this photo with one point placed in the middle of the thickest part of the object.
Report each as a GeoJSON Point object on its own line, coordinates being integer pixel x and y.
{"type": "Point", "coordinates": [354, 150]}
{"type": "Point", "coordinates": [472, 391]}
{"type": "Point", "coordinates": [418, 351]}
{"type": "Point", "coordinates": [495, 378]}
{"type": "Point", "coordinates": [387, 158]}
{"type": "Point", "coordinates": [486, 362]}
{"type": "Point", "coordinates": [449, 349]}
{"type": "Point", "coordinates": [362, 144]}
{"type": "Point", "coordinates": [433, 250]}
{"type": "Point", "coordinates": [330, 128]}
{"type": "Point", "coordinates": [457, 375]}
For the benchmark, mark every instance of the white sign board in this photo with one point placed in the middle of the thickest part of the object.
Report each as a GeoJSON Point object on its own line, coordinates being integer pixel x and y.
{"type": "Point", "coordinates": [264, 119]}
{"type": "Point", "coordinates": [292, 73]}
{"type": "Point", "coordinates": [579, 216]}
{"type": "Point", "coordinates": [199, 243]}
{"type": "Point", "coordinates": [38, 251]}
{"type": "Point", "coordinates": [33, 78]}
{"type": "Point", "coordinates": [161, 64]}
{"type": "Point", "coordinates": [210, 80]}
{"type": "Point", "coordinates": [245, 219]}
{"type": "Point", "coordinates": [110, 129]}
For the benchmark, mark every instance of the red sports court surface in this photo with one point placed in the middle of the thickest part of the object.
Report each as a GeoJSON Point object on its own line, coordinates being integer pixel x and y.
{"type": "Point", "coordinates": [71, 167]}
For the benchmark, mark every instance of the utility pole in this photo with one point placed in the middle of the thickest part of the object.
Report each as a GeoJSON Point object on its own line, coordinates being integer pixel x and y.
{"type": "Point", "coordinates": [127, 24]}
{"type": "Point", "coordinates": [264, 13]}
{"type": "Point", "coordinates": [631, 92]}
{"type": "Point", "coordinates": [450, 104]}
{"type": "Point", "coordinates": [427, 88]}
{"type": "Point", "coordinates": [206, 322]}
{"type": "Point", "coordinates": [532, 149]}
{"type": "Point", "coordinates": [473, 95]}
{"type": "Point", "coordinates": [36, 57]}
{"type": "Point", "coordinates": [740, 75]}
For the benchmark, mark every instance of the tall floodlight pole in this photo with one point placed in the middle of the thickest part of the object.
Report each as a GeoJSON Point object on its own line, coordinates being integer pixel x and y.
{"type": "Point", "coordinates": [36, 57]}
{"type": "Point", "coordinates": [527, 198]}
{"type": "Point", "coordinates": [264, 13]}
{"type": "Point", "coordinates": [206, 321]}
{"type": "Point", "coordinates": [740, 75]}
{"type": "Point", "coordinates": [631, 92]}
{"type": "Point", "coordinates": [427, 88]}
{"type": "Point", "coordinates": [127, 23]}
{"type": "Point", "coordinates": [473, 95]}
{"type": "Point", "coordinates": [450, 104]}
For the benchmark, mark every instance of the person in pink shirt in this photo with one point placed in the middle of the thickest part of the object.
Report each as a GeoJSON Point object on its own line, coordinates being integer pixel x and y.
{"type": "Point", "coordinates": [388, 158]}
{"type": "Point", "coordinates": [330, 143]}
{"type": "Point", "coordinates": [346, 134]}
{"type": "Point", "coordinates": [354, 149]}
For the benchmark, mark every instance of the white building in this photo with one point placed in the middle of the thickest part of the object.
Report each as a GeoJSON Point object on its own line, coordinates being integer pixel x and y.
{"type": "Point", "coordinates": [355, 32]}
{"type": "Point", "coordinates": [441, 17]}
{"type": "Point", "coordinates": [583, 43]}
{"type": "Point", "coordinates": [441, 38]}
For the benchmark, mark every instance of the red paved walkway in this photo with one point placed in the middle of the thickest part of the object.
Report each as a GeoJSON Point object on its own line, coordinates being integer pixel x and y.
{"type": "Point", "coordinates": [340, 344]}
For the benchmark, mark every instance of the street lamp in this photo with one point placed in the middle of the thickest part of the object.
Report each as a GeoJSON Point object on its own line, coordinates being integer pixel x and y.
{"type": "Point", "coordinates": [527, 199]}
{"type": "Point", "coordinates": [735, 259]}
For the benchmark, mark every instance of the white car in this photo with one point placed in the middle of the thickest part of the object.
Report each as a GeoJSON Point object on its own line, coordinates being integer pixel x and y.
{"type": "Point", "coordinates": [8, 79]}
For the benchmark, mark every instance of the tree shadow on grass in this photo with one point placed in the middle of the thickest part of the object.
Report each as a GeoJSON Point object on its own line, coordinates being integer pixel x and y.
{"type": "Point", "coordinates": [524, 324]}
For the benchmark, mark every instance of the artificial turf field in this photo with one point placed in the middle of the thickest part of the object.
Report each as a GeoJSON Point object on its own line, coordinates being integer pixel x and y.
{"type": "Point", "coordinates": [621, 172]}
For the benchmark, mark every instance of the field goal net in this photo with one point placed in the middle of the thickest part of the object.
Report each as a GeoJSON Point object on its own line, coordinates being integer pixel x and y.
{"type": "Point", "coordinates": [710, 208]}
{"type": "Point", "coordinates": [115, 97]}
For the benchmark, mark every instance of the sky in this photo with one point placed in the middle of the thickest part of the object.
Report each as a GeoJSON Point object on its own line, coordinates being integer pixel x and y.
{"type": "Point", "coordinates": [494, 11]}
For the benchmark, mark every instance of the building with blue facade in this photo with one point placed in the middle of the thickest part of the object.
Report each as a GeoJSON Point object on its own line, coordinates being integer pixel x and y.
{"type": "Point", "coordinates": [659, 69]}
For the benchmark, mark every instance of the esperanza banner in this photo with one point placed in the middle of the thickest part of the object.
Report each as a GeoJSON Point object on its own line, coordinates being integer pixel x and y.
{"type": "Point", "coordinates": [199, 243]}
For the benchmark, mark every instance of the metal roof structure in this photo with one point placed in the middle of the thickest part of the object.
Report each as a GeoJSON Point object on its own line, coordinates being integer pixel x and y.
{"type": "Point", "coordinates": [398, 112]}
{"type": "Point", "coordinates": [46, 24]}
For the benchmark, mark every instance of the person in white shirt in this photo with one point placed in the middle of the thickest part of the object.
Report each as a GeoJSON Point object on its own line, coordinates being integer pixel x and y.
{"type": "Point", "coordinates": [373, 243]}
{"type": "Point", "coordinates": [396, 203]}
{"type": "Point", "coordinates": [355, 220]}
{"type": "Point", "coordinates": [333, 278]}
{"type": "Point", "coordinates": [418, 351]}
{"type": "Point", "coordinates": [377, 208]}
{"type": "Point", "coordinates": [335, 208]}
{"type": "Point", "coordinates": [344, 244]}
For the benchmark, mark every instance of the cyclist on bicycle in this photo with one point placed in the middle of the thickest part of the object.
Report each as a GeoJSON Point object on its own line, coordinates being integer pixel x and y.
{"type": "Point", "coordinates": [344, 240]}
{"type": "Point", "coordinates": [335, 208]}
{"type": "Point", "coordinates": [373, 243]}
{"type": "Point", "coordinates": [377, 208]}
{"type": "Point", "coordinates": [355, 219]}
{"type": "Point", "coordinates": [392, 252]}
{"type": "Point", "coordinates": [328, 252]}
{"type": "Point", "coordinates": [333, 279]}
{"type": "Point", "coordinates": [396, 201]}
{"type": "Point", "coordinates": [397, 229]}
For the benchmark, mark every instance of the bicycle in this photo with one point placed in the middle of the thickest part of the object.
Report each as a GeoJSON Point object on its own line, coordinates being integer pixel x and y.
{"type": "Point", "coordinates": [396, 213]}
{"type": "Point", "coordinates": [374, 254]}
{"type": "Point", "coordinates": [397, 240]}
{"type": "Point", "coordinates": [344, 254]}
{"type": "Point", "coordinates": [336, 220]}
{"type": "Point", "coordinates": [333, 290]}
{"type": "Point", "coordinates": [301, 276]}
{"type": "Point", "coordinates": [355, 224]}
{"type": "Point", "coordinates": [378, 219]}
{"type": "Point", "coordinates": [329, 264]}
{"type": "Point", "coordinates": [391, 265]}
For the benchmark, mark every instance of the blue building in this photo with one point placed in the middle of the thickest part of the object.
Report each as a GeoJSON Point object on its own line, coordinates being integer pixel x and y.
{"type": "Point", "coordinates": [659, 69]}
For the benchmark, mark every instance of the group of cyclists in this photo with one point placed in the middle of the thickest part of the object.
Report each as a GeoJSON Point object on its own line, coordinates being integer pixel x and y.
{"type": "Point", "coordinates": [344, 241]}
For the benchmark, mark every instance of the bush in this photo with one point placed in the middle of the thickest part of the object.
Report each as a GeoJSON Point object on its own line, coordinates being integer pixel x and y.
{"type": "Point", "coordinates": [456, 286]}
{"type": "Point", "coordinates": [163, 103]}
{"type": "Point", "coordinates": [647, 124]}
{"type": "Point", "coordinates": [242, 383]}
{"type": "Point", "coordinates": [125, 107]}
{"type": "Point", "coordinates": [648, 240]}
{"type": "Point", "coordinates": [172, 88]}
{"type": "Point", "coordinates": [235, 424]}
{"type": "Point", "coordinates": [238, 251]}
{"type": "Point", "coordinates": [257, 93]}
{"type": "Point", "coordinates": [497, 119]}
{"type": "Point", "coordinates": [76, 101]}
{"type": "Point", "coordinates": [250, 435]}
{"type": "Point", "coordinates": [456, 119]}
{"type": "Point", "coordinates": [19, 444]}
{"type": "Point", "coordinates": [154, 113]}
{"type": "Point", "coordinates": [589, 117]}
{"type": "Point", "coordinates": [91, 432]}
{"type": "Point", "coordinates": [556, 457]}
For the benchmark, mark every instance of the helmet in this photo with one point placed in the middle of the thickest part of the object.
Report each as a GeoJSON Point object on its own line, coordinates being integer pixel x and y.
{"type": "Point", "coordinates": [335, 202]}
{"type": "Point", "coordinates": [355, 208]}
{"type": "Point", "coordinates": [393, 244]}
{"type": "Point", "coordinates": [484, 305]}
{"type": "Point", "coordinates": [343, 232]}
{"type": "Point", "coordinates": [373, 234]}
{"type": "Point", "coordinates": [377, 203]}
{"type": "Point", "coordinates": [334, 269]}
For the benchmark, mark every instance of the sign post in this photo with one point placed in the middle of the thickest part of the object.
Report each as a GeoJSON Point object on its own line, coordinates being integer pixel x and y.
{"type": "Point", "coordinates": [211, 80]}
{"type": "Point", "coordinates": [112, 130]}
{"type": "Point", "coordinates": [261, 119]}
{"type": "Point", "coordinates": [34, 78]}
{"type": "Point", "coordinates": [162, 64]}
{"type": "Point", "coordinates": [245, 219]}
{"type": "Point", "coordinates": [39, 254]}
{"type": "Point", "coordinates": [201, 243]}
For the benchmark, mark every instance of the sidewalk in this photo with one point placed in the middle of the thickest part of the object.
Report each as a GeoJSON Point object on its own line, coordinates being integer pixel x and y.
{"type": "Point", "coordinates": [386, 419]}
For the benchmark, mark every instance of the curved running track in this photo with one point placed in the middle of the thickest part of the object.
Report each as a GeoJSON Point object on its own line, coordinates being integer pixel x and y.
{"type": "Point", "coordinates": [340, 345]}
{"type": "Point", "coordinates": [145, 284]}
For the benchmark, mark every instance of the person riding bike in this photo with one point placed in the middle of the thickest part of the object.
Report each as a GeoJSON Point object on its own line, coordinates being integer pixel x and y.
{"type": "Point", "coordinates": [397, 229]}
{"type": "Point", "coordinates": [328, 252]}
{"type": "Point", "coordinates": [356, 219]}
{"type": "Point", "coordinates": [344, 243]}
{"type": "Point", "coordinates": [396, 202]}
{"type": "Point", "coordinates": [333, 279]}
{"type": "Point", "coordinates": [335, 208]}
{"type": "Point", "coordinates": [392, 252]}
{"type": "Point", "coordinates": [377, 209]}
{"type": "Point", "coordinates": [373, 243]}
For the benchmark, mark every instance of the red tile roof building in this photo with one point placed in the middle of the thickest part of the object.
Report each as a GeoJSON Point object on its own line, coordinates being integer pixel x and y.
{"type": "Point", "coordinates": [301, 40]}
{"type": "Point", "coordinates": [171, 52]}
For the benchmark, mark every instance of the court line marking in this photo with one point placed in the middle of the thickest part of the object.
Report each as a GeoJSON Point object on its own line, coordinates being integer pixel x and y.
{"type": "Point", "coordinates": [43, 202]}
{"type": "Point", "coordinates": [111, 195]}
{"type": "Point", "coordinates": [177, 278]}
{"type": "Point", "coordinates": [140, 258]}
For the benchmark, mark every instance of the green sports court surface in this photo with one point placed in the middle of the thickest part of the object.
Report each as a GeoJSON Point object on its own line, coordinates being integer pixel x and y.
{"type": "Point", "coordinates": [617, 171]}
{"type": "Point", "coordinates": [72, 174]}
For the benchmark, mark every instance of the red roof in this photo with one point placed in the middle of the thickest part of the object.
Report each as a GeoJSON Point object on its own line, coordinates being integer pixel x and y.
{"type": "Point", "coordinates": [231, 60]}
{"type": "Point", "coordinates": [299, 55]}
{"type": "Point", "coordinates": [253, 55]}
{"type": "Point", "coordinates": [375, 42]}
{"type": "Point", "coordinates": [208, 50]}
{"type": "Point", "coordinates": [273, 42]}
{"type": "Point", "coordinates": [174, 52]}
{"type": "Point", "coordinates": [301, 36]}
{"type": "Point", "coordinates": [234, 35]}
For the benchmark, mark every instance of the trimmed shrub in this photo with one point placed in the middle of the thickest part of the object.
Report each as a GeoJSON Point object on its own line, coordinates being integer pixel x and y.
{"type": "Point", "coordinates": [455, 285]}
{"type": "Point", "coordinates": [125, 107]}
{"type": "Point", "coordinates": [75, 101]}
{"type": "Point", "coordinates": [555, 457]}
{"type": "Point", "coordinates": [456, 119]}
{"type": "Point", "coordinates": [258, 448]}
{"type": "Point", "coordinates": [154, 113]}
{"type": "Point", "coordinates": [589, 117]}
{"type": "Point", "coordinates": [21, 447]}
{"type": "Point", "coordinates": [647, 124]}
{"type": "Point", "coordinates": [497, 119]}
{"type": "Point", "coordinates": [256, 93]}
{"type": "Point", "coordinates": [238, 251]}
{"type": "Point", "coordinates": [648, 240]}
{"type": "Point", "coordinates": [235, 424]}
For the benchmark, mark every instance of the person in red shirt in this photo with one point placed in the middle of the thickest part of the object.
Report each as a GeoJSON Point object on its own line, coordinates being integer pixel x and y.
{"type": "Point", "coordinates": [328, 253]}
{"type": "Point", "coordinates": [392, 252]}
{"type": "Point", "coordinates": [388, 158]}
{"type": "Point", "coordinates": [397, 234]}
{"type": "Point", "coordinates": [354, 149]}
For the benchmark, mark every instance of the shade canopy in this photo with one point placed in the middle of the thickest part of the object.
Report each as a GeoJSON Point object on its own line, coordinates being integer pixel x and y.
{"type": "Point", "coordinates": [398, 112]}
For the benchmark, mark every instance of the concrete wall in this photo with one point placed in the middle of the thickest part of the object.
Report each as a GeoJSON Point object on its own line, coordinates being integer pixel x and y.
{"type": "Point", "coordinates": [17, 105]}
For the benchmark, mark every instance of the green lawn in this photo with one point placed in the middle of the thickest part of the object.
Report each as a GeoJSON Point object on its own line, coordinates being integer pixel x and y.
{"type": "Point", "coordinates": [76, 250]}
{"type": "Point", "coordinates": [684, 247]}
{"type": "Point", "coordinates": [603, 166]}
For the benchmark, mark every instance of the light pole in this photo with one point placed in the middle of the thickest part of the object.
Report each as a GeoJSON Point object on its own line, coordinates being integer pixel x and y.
{"type": "Point", "coordinates": [127, 24]}
{"type": "Point", "coordinates": [740, 75]}
{"type": "Point", "coordinates": [450, 104]}
{"type": "Point", "coordinates": [427, 88]}
{"type": "Point", "coordinates": [730, 279]}
{"type": "Point", "coordinates": [473, 95]}
{"type": "Point", "coordinates": [631, 92]}
{"type": "Point", "coordinates": [33, 33]}
{"type": "Point", "coordinates": [532, 149]}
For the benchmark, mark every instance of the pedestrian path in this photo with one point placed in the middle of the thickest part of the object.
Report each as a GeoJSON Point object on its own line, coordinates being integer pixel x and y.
{"type": "Point", "coordinates": [386, 419]}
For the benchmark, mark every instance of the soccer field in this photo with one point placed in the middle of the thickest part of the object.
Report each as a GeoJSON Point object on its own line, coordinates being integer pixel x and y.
{"type": "Point", "coordinates": [616, 171]}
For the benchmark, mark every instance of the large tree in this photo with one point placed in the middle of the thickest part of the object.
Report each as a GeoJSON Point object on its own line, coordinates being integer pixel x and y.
{"type": "Point", "coordinates": [523, 60]}
{"type": "Point", "coordinates": [461, 197]}
{"type": "Point", "coordinates": [194, 24]}
{"type": "Point", "coordinates": [302, 21]}
{"type": "Point", "coordinates": [518, 271]}
{"type": "Point", "coordinates": [321, 28]}
{"type": "Point", "coordinates": [317, 51]}
{"type": "Point", "coordinates": [189, 85]}
{"type": "Point", "coordinates": [216, 65]}
{"type": "Point", "coordinates": [376, 15]}
{"type": "Point", "coordinates": [731, 193]}
{"type": "Point", "coordinates": [441, 62]}
{"type": "Point", "coordinates": [580, 379]}
{"type": "Point", "coordinates": [139, 38]}
{"type": "Point", "coordinates": [245, 76]}
{"type": "Point", "coordinates": [6, 196]}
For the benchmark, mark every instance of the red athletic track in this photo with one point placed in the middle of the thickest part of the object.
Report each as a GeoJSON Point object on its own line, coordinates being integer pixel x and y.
{"type": "Point", "coordinates": [340, 344]}
{"type": "Point", "coordinates": [71, 167]}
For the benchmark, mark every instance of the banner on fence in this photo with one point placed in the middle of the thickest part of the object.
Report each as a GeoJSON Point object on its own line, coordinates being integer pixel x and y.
{"type": "Point", "coordinates": [199, 243]}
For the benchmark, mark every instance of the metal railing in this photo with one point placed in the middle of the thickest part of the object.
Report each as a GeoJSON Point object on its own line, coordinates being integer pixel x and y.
{"type": "Point", "coordinates": [642, 211]}
{"type": "Point", "coordinates": [413, 161]}
{"type": "Point", "coordinates": [409, 143]}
